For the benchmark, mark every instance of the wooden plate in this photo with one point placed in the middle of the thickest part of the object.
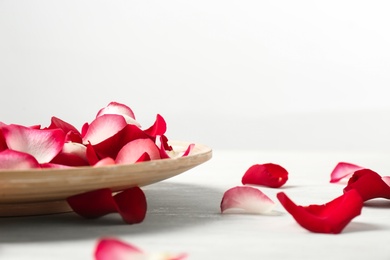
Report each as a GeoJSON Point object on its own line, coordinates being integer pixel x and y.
{"type": "Point", "coordinates": [35, 192]}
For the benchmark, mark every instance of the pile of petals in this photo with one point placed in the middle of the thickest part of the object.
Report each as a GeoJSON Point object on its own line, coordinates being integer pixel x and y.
{"type": "Point", "coordinates": [113, 137]}
{"type": "Point", "coordinates": [331, 217]}
{"type": "Point", "coordinates": [114, 249]}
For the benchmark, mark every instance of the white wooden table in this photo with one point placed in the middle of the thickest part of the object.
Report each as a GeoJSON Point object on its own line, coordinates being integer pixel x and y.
{"type": "Point", "coordinates": [184, 216]}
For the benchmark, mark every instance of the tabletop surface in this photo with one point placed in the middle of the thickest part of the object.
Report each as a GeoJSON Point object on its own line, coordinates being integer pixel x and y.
{"type": "Point", "coordinates": [184, 216]}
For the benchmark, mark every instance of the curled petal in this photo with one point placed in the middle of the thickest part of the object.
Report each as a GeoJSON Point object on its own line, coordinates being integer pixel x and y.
{"type": "Point", "coordinates": [343, 170]}
{"type": "Point", "coordinates": [368, 184]}
{"type": "Point", "coordinates": [331, 217]}
{"type": "Point", "coordinates": [104, 162]}
{"type": "Point", "coordinates": [103, 127]}
{"type": "Point", "coordinates": [44, 145]}
{"type": "Point", "coordinates": [115, 108]}
{"type": "Point", "coordinates": [132, 151]}
{"type": "Point", "coordinates": [14, 160]}
{"type": "Point", "coordinates": [114, 249]}
{"type": "Point", "coordinates": [269, 174]}
{"type": "Point", "coordinates": [246, 199]}
{"type": "Point", "coordinates": [130, 204]}
{"type": "Point", "coordinates": [158, 128]}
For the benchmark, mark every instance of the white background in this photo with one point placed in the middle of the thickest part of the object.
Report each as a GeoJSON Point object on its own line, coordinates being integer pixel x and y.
{"type": "Point", "coordinates": [303, 75]}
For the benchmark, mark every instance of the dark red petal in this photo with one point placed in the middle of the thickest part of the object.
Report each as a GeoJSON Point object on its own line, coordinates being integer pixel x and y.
{"type": "Point", "coordinates": [269, 174]}
{"type": "Point", "coordinates": [44, 145]}
{"type": "Point", "coordinates": [92, 157]}
{"type": "Point", "coordinates": [368, 184]}
{"type": "Point", "coordinates": [131, 205]}
{"type": "Point", "coordinates": [158, 128]}
{"type": "Point", "coordinates": [61, 124]}
{"type": "Point", "coordinates": [14, 160]}
{"type": "Point", "coordinates": [144, 158]}
{"type": "Point", "coordinates": [93, 204]}
{"type": "Point", "coordinates": [331, 217]}
{"type": "Point", "coordinates": [343, 170]}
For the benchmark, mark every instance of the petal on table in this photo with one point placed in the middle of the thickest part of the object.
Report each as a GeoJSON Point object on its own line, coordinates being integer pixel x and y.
{"type": "Point", "coordinates": [114, 249]}
{"type": "Point", "coordinates": [115, 108]}
{"type": "Point", "coordinates": [132, 151]}
{"type": "Point", "coordinates": [131, 205]}
{"type": "Point", "coordinates": [368, 184]}
{"type": "Point", "coordinates": [14, 160]}
{"type": "Point", "coordinates": [103, 127]}
{"type": "Point", "coordinates": [331, 217]}
{"type": "Point", "coordinates": [93, 204]}
{"type": "Point", "coordinates": [243, 199]}
{"type": "Point", "coordinates": [43, 144]}
{"type": "Point", "coordinates": [158, 128]}
{"type": "Point", "coordinates": [268, 174]}
{"type": "Point", "coordinates": [343, 170]}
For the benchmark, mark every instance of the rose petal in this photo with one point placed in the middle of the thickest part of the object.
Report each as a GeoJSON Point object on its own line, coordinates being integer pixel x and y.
{"type": "Point", "coordinates": [72, 154]}
{"type": "Point", "coordinates": [130, 204]}
{"type": "Point", "coordinates": [343, 170]}
{"type": "Point", "coordinates": [268, 174]}
{"type": "Point", "coordinates": [132, 151]}
{"type": "Point", "coordinates": [386, 179]}
{"type": "Point", "coordinates": [158, 128]}
{"type": "Point", "coordinates": [14, 160]}
{"type": "Point", "coordinates": [111, 146]}
{"type": "Point", "coordinates": [61, 124]}
{"type": "Point", "coordinates": [113, 249]}
{"type": "Point", "coordinates": [103, 127]}
{"type": "Point", "coordinates": [44, 145]}
{"type": "Point", "coordinates": [331, 217]}
{"type": "Point", "coordinates": [246, 199]}
{"type": "Point", "coordinates": [368, 184]}
{"type": "Point", "coordinates": [104, 162]}
{"type": "Point", "coordinates": [115, 108]}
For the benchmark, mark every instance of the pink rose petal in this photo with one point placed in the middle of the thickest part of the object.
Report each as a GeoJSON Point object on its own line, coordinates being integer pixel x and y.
{"type": "Point", "coordinates": [111, 146]}
{"type": "Point", "coordinates": [44, 145]}
{"type": "Point", "coordinates": [114, 249]}
{"type": "Point", "coordinates": [115, 108]}
{"type": "Point", "coordinates": [103, 127]}
{"type": "Point", "coordinates": [268, 174]}
{"type": "Point", "coordinates": [104, 162]}
{"type": "Point", "coordinates": [386, 179]}
{"type": "Point", "coordinates": [246, 199]}
{"type": "Point", "coordinates": [14, 160]}
{"type": "Point", "coordinates": [368, 184]}
{"type": "Point", "coordinates": [72, 154]}
{"type": "Point", "coordinates": [343, 170]}
{"type": "Point", "coordinates": [132, 151]}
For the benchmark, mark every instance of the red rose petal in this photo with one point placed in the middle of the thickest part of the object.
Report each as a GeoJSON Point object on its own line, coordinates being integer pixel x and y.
{"type": "Point", "coordinates": [130, 204]}
{"type": "Point", "coordinates": [57, 123]}
{"type": "Point", "coordinates": [3, 144]}
{"type": "Point", "coordinates": [14, 160]}
{"type": "Point", "coordinates": [132, 151]}
{"type": "Point", "coordinates": [269, 174]}
{"type": "Point", "coordinates": [158, 128]}
{"type": "Point", "coordinates": [44, 145]}
{"type": "Point", "coordinates": [386, 179]}
{"type": "Point", "coordinates": [331, 217]}
{"type": "Point", "coordinates": [93, 204]}
{"type": "Point", "coordinates": [368, 184]}
{"type": "Point", "coordinates": [246, 199]}
{"type": "Point", "coordinates": [72, 154]}
{"type": "Point", "coordinates": [343, 170]}
{"type": "Point", "coordinates": [103, 127]}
